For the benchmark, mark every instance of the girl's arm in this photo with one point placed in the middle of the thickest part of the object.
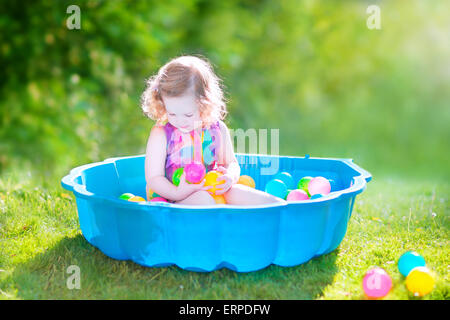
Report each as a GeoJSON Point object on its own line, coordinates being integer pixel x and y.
{"type": "Point", "coordinates": [226, 154]}
{"type": "Point", "coordinates": [155, 158]}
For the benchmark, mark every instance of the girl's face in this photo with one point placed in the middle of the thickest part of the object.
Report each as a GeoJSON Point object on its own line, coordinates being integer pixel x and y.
{"type": "Point", "coordinates": [182, 112]}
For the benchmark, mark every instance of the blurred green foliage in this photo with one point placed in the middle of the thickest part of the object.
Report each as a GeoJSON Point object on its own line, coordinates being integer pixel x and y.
{"type": "Point", "coordinates": [311, 68]}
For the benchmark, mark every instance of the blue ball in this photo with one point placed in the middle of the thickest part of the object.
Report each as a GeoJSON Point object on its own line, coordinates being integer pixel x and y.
{"type": "Point", "coordinates": [276, 188]}
{"type": "Point", "coordinates": [286, 178]}
{"type": "Point", "coordinates": [408, 261]}
{"type": "Point", "coordinates": [316, 196]}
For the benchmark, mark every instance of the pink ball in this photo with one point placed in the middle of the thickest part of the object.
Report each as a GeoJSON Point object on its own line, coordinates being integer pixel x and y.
{"type": "Point", "coordinates": [155, 199]}
{"type": "Point", "coordinates": [319, 185]}
{"type": "Point", "coordinates": [296, 195]}
{"type": "Point", "coordinates": [376, 283]}
{"type": "Point", "coordinates": [195, 172]}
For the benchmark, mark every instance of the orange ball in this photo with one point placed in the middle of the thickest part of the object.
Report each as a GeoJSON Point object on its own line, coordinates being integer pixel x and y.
{"type": "Point", "coordinates": [247, 181]}
{"type": "Point", "coordinates": [136, 199]}
{"type": "Point", "coordinates": [220, 199]}
{"type": "Point", "coordinates": [211, 180]}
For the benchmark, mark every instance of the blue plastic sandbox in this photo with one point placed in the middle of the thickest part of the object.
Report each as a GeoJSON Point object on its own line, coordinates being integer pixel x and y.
{"type": "Point", "coordinates": [207, 238]}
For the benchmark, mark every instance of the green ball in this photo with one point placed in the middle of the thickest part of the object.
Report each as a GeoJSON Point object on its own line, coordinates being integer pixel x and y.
{"type": "Point", "coordinates": [303, 184]}
{"type": "Point", "coordinates": [177, 175]}
{"type": "Point", "coordinates": [126, 196]}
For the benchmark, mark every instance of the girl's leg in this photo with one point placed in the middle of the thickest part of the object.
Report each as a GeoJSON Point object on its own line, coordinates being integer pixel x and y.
{"type": "Point", "coordinates": [240, 194]}
{"type": "Point", "coordinates": [201, 197]}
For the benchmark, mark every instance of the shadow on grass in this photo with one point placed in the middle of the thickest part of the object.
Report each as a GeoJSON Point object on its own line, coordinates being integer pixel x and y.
{"type": "Point", "coordinates": [45, 276]}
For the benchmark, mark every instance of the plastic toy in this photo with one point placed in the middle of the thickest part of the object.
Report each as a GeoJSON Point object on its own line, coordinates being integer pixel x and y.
{"type": "Point", "coordinates": [276, 188]}
{"type": "Point", "coordinates": [211, 180]}
{"type": "Point", "coordinates": [156, 199]}
{"type": "Point", "coordinates": [212, 237]}
{"type": "Point", "coordinates": [303, 184]}
{"type": "Point", "coordinates": [195, 172]}
{"type": "Point", "coordinates": [247, 181]}
{"type": "Point", "coordinates": [319, 185]}
{"type": "Point", "coordinates": [316, 196]}
{"type": "Point", "coordinates": [220, 199]}
{"type": "Point", "coordinates": [136, 199]}
{"type": "Point", "coordinates": [177, 175]}
{"type": "Point", "coordinates": [151, 194]}
{"type": "Point", "coordinates": [286, 178]}
{"type": "Point", "coordinates": [376, 283]}
{"type": "Point", "coordinates": [408, 261]}
{"type": "Point", "coordinates": [126, 196]}
{"type": "Point", "coordinates": [296, 195]}
{"type": "Point", "coordinates": [420, 281]}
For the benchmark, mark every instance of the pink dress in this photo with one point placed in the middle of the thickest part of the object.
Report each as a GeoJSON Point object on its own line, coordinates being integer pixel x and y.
{"type": "Point", "coordinates": [198, 145]}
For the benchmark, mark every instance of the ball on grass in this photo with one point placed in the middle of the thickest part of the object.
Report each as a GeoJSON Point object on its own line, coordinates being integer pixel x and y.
{"type": "Point", "coordinates": [376, 283]}
{"type": "Point", "coordinates": [420, 281]}
{"type": "Point", "coordinates": [408, 261]}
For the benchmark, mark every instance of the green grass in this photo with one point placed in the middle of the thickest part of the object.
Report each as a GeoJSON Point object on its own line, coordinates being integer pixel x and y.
{"type": "Point", "coordinates": [40, 238]}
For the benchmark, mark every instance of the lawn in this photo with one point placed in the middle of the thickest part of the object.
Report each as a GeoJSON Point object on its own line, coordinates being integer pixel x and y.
{"type": "Point", "coordinates": [312, 69]}
{"type": "Point", "coordinates": [40, 239]}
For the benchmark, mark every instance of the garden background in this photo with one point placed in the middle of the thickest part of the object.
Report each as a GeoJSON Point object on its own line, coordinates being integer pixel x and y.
{"type": "Point", "coordinates": [313, 69]}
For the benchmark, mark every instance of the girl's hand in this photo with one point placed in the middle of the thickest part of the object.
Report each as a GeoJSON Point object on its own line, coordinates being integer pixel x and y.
{"type": "Point", "coordinates": [224, 186]}
{"type": "Point", "coordinates": [185, 189]}
{"type": "Point", "coordinates": [228, 181]}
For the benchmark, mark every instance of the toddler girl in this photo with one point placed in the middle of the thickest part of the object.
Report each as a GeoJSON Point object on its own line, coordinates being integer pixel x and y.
{"type": "Point", "coordinates": [186, 101]}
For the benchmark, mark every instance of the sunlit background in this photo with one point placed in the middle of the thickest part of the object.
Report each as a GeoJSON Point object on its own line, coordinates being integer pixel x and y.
{"type": "Point", "coordinates": [313, 69]}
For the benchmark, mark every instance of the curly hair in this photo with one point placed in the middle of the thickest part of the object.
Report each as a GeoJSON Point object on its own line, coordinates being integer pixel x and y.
{"type": "Point", "coordinates": [178, 76]}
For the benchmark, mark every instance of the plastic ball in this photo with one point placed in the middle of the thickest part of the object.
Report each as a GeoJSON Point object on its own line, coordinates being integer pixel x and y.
{"type": "Point", "coordinates": [420, 281]}
{"type": "Point", "coordinates": [408, 261]}
{"type": "Point", "coordinates": [296, 195]}
{"type": "Point", "coordinates": [158, 199]}
{"type": "Point", "coordinates": [316, 196]}
{"type": "Point", "coordinates": [151, 194]}
{"type": "Point", "coordinates": [303, 184]}
{"type": "Point", "coordinates": [247, 181]}
{"type": "Point", "coordinates": [376, 283]}
{"type": "Point", "coordinates": [195, 172]}
{"type": "Point", "coordinates": [220, 199]}
{"type": "Point", "coordinates": [319, 185]}
{"type": "Point", "coordinates": [211, 180]}
{"type": "Point", "coordinates": [126, 196]}
{"type": "Point", "coordinates": [177, 175]}
{"type": "Point", "coordinates": [136, 199]}
{"type": "Point", "coordinates": [276, 188]}
{"type": "Point", "coordinates": [286, 178]}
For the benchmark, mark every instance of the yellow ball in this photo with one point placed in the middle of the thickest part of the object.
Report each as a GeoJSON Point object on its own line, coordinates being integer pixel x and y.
{"type": "Point", "coordinates": [136, 199]}
{"type": "Point", "coordinates": [247, 181]}
{"type": "Point", "coordinates": [149, 194]}
{"type": "Point", "coordinates": [211, 180]}
{"type": "Point", "coordinates": [220, 199]}
{"type": "Point", "coordinates": [420, 281]}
